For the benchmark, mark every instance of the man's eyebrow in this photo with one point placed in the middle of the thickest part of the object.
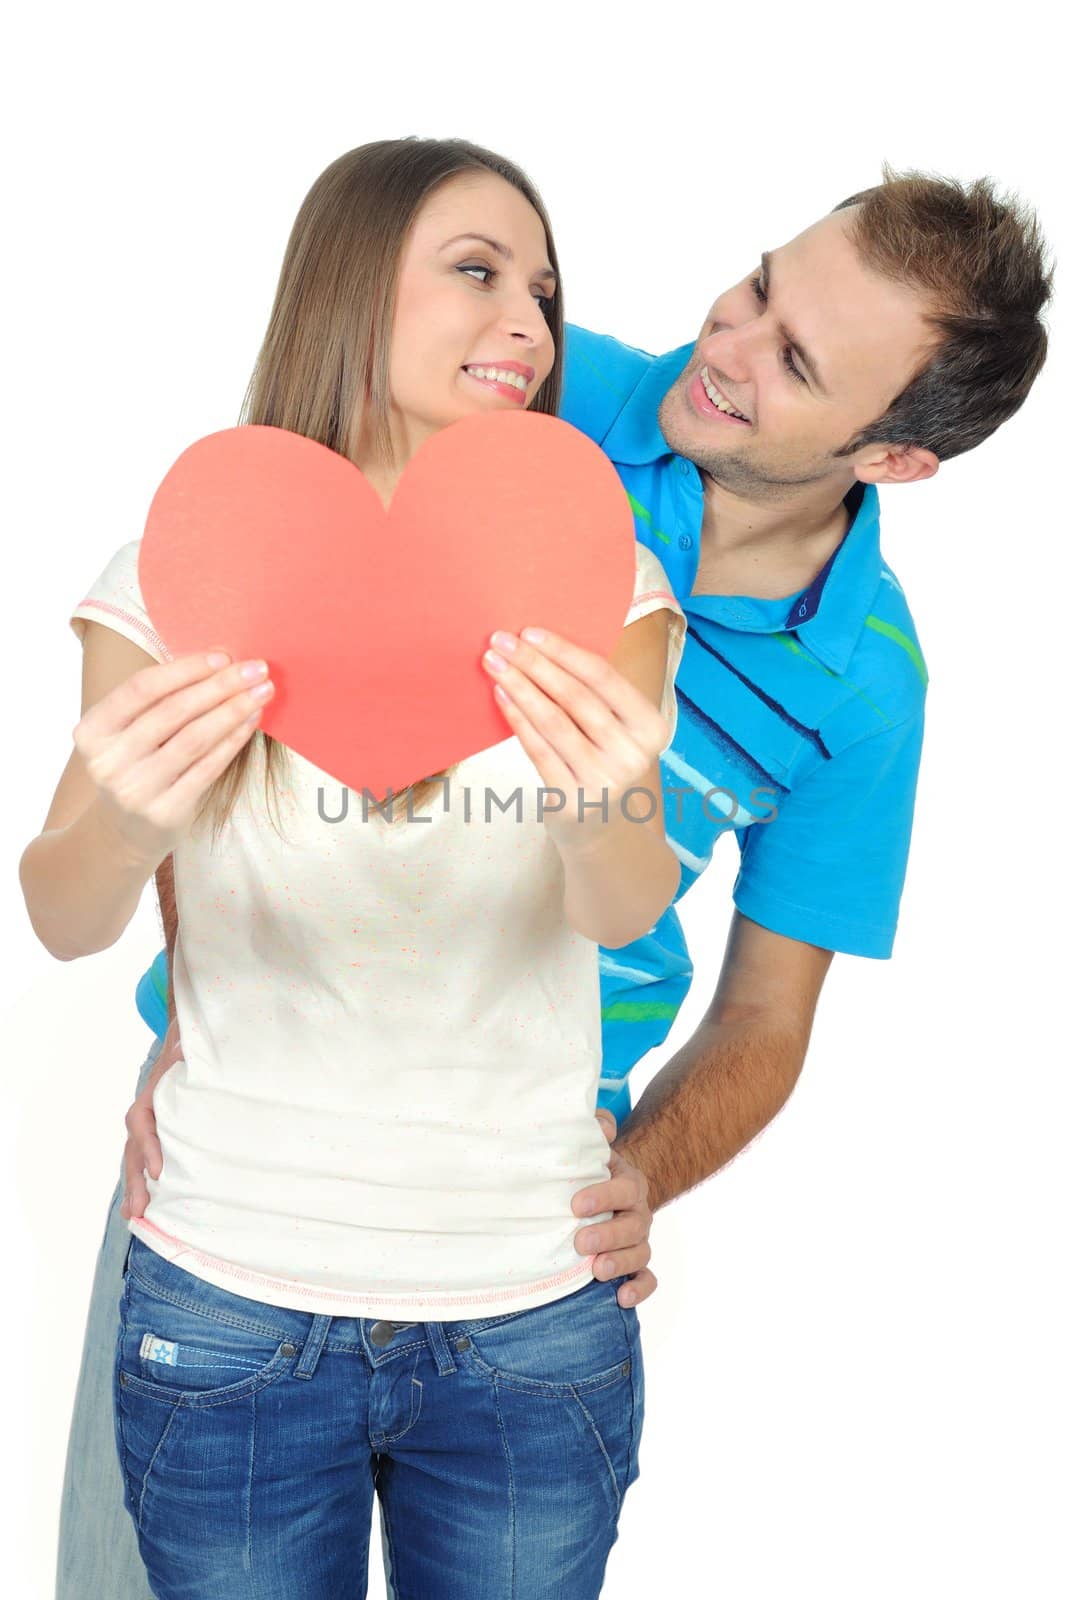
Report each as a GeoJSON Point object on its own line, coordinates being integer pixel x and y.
{"type": "Point", "coordinates": [503, 250]}
{"type": "Point", "coordinates": [806, 359]}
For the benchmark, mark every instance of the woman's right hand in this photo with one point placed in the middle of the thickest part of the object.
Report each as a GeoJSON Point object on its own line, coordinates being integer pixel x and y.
{"type": "Point", "coordinates": [156, 743]}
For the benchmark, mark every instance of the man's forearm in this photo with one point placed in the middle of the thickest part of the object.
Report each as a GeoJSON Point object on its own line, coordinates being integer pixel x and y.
{"type": "Point", "coordinates": [719, 1090]}
{"type": "Point", "coordinates": [164, 882]}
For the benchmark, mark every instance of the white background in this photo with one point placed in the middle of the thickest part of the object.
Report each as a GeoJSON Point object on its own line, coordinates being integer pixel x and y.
{"type": "Point", "coordinates": [864, 1361]}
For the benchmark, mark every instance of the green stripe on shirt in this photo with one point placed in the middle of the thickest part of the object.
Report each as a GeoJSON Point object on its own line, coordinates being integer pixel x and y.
{"type": "Point", "coordinates": [897, 636]}
{"type": "Point", "coordinates": [644, 516]}
{"type": "Point", "coordinates": [638, 1011]}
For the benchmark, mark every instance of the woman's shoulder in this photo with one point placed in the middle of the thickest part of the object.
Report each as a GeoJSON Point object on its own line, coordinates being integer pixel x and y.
{"type": "Point", "coordinates": [114, 599]}
{"type": "Point", "coordinates": [652, 587]}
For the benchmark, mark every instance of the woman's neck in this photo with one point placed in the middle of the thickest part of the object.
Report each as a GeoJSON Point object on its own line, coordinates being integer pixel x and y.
{"type": "Point", "coordinates": [384, 471]}
{"type": "Point", "coordinates": [383, 477]}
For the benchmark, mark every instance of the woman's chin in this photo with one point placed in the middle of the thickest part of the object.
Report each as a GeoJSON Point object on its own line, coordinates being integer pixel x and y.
{"type": "Point", "coordinates": [482, 397]}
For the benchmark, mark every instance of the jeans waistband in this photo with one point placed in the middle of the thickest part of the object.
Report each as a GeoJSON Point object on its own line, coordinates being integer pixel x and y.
{"type": "Point", "coordinates": [436, 1333]}
{"type": "Point", "coordinates": [309, 1331]}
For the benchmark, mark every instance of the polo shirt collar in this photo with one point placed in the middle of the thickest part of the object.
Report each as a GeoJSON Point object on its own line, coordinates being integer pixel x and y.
{"type": "Point", "coordinates": [829, 615]}
{"type": "Point", "coordinates": [634, 437]}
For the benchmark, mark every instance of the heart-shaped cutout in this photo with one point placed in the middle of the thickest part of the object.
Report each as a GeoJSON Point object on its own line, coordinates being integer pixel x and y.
{"type": "Point", "coordinates": [373, 623]}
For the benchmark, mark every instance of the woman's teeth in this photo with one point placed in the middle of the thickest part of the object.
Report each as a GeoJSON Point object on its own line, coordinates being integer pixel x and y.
{"type": "Point", "coordinates": [514, 379]}
{"type": "Point", "coordinates": [719, 399]}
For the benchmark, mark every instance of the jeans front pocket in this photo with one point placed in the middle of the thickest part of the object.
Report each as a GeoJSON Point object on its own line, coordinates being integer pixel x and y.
{"type": "Point", "coordinates": [173, 1352]}
{"type": "Point", "coordinates": [577, 1342]}
{"type": "Point", "coordinates": [569, 1373]}
{"type": "Point", "coordinates": [192, 1363]}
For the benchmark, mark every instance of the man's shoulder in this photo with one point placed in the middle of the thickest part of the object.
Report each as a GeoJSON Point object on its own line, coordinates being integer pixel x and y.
{"type": "Point", "coordinates": [885, 683]}
{"type": "Point", "coordinates": [892, 651]}
{"type": "Point", "coordinates": [600, 374]}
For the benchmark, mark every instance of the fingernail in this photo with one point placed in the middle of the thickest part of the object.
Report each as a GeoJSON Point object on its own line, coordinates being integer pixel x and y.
{"type": "Point", "coordinates": [218, 659]}
{"type": "Point", "coordinates": [534, 635]}
{"type": "Point", "coordinates": [585, 1208]}
{"type": "Point", "coordinates": [607, 1267]}
{"type": "Point", "coordinates": [504, 641]}
{"type": "Point", "coordinates": [496, 662]}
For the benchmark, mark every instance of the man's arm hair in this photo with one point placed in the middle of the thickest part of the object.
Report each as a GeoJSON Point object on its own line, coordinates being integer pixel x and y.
{"type": "Point", "coordinates": [737, 1070]}
{"type": "Point", "coordinates": [168, 909]}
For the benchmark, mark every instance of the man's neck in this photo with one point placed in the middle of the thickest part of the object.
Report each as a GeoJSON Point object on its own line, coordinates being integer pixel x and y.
{"type": "Point", "coordinates": [767, 549]}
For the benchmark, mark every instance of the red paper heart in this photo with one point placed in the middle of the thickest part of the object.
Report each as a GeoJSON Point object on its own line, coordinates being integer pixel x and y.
{"type": "Point", "coordinates": [373, 623]}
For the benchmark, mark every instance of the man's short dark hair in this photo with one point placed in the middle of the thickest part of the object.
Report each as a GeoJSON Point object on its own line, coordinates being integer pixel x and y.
{"type": "Point", "coordinates": [980, 262]}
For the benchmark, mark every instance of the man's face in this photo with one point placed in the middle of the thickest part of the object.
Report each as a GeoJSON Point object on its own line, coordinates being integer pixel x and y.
{"type": "Point", "coordinates": [810, 348]}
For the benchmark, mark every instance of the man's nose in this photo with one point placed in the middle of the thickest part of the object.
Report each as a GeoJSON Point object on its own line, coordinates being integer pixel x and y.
{"type": "Point", "coordinates": [729, 351]}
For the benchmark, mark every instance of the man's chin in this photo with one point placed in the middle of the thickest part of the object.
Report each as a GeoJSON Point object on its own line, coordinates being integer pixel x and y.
{"type": "Point", "coordinates": [678, 423]}
{"type": "Point", "coordinates": [694, 437]}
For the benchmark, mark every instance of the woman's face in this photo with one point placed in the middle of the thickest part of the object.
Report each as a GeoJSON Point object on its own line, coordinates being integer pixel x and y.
{"type": "Point", "coordinates": [470, 325]}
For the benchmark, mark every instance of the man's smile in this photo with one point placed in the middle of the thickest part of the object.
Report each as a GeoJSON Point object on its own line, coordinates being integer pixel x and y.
{"type": "Point", "coordinates": [709, 401]}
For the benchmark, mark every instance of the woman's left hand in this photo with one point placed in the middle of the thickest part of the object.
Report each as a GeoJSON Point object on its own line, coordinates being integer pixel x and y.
{"type": "Point", "coordinates": [622, 1245]}
{"type": "Point", "coordinates": [587, 729]}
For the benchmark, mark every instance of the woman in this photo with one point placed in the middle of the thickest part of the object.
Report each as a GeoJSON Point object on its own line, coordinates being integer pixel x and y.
{"type": "Point", "coordinates": [356, 1268]}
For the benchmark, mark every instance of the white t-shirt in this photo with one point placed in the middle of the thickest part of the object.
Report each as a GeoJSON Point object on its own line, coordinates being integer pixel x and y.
{"type": "Point", "coordinates": [391, 1037]}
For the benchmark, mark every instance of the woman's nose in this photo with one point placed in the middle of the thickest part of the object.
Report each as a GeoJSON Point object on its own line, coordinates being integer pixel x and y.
{"type": "Point", "coordinates": [524, 320]}
{"type": "Point", "coordinates": [521, 329]}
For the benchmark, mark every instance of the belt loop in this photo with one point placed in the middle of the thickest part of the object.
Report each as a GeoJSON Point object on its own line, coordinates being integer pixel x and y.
{"type": "Point", "coordinates": [311, 1350]}
{"type": "Point", "coordinates": [440, 1347]}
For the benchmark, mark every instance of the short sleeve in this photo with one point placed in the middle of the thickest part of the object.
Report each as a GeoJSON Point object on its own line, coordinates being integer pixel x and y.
{"type": "Point", "coordinates": [114, 599]}
{"type": "Point", "coordinates": [652, 593]}
{"type": "Point", "coordinates": [827, 865]}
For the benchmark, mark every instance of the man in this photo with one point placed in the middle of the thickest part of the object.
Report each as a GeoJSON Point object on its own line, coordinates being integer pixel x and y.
{"type": "Point", "coordinates": [893, 334]}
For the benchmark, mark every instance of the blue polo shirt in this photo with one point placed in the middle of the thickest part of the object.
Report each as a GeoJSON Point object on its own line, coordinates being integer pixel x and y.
{"type": "Point", "coordinates": [799, 730]}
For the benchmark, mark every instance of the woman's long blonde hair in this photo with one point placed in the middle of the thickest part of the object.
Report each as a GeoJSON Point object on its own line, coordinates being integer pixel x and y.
{"type": "Point", "coordinates": [323, 367]}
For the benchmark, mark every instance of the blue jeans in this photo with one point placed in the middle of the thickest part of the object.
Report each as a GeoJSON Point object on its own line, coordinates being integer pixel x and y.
{"type": "Point", "coordinates": [97, 1552]}
{"type": "Point", "coordinates": [252, 1440]}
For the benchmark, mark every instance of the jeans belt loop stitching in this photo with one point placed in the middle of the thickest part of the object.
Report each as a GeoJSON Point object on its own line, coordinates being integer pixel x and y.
{"type": "Point", "coordinates": [440, 1347]}
{"type": "Point", "coordinates": [311, 1350]}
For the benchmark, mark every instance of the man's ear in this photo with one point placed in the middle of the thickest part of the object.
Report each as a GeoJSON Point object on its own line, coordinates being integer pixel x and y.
{"type": "Point", "coordinates": [895, 464]}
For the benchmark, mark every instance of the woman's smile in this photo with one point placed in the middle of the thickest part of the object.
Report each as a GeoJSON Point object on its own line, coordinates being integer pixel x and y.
{"type": "Point", "coordinates": [510, 379]}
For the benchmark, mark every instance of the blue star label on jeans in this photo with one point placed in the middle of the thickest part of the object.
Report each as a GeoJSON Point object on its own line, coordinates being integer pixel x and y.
{"type": "Point", "coordinates": [161, 1350]}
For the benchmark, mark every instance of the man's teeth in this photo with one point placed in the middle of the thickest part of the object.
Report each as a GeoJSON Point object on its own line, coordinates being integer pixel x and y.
{"type": "Point", "coordinates": [514, 379]}
{"type": "Point", "coordinates": [719, 399]}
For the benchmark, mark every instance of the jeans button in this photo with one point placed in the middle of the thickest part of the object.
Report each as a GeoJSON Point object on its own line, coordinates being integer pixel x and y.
{"type": "Point", "coordinates": [381, 1333]}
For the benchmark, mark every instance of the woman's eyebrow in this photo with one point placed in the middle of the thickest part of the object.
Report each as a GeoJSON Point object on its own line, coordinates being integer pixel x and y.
{"type": "Point", "coordinates": [503, 250]}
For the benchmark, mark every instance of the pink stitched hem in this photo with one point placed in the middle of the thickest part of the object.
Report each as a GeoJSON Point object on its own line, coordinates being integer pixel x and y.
{"type": "Point", "coordinates": [150, 1233]}
{"type": "Point", "coordinates": [124, 616]}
